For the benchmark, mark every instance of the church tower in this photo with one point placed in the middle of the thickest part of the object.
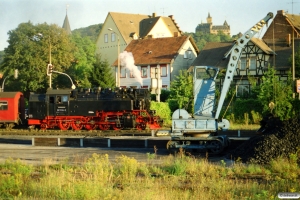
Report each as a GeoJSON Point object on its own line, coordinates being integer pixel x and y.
{"type": "Point", "coordinates": [66, 24]}
{"type": "Point", "coordinates": [209, 19]}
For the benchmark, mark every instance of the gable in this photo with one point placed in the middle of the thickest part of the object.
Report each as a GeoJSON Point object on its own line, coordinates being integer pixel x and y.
{"type": "Point", "coordinates": [279, 37]}
{"type": "Point", "coordinates": [127, 23]}
{"type": "Point", "coordinates": [160, 30]}
{"type": "Point", "coordinates": [159, 27]}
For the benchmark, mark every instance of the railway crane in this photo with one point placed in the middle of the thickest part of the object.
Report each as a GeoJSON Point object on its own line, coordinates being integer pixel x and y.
{"type": "Point", "coordinates": [200, 131]}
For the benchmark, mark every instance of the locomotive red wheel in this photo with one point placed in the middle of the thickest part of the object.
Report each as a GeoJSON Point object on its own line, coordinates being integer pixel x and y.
{"type": "Point", "coordinates": [64, 125]}
{"type": "Point", "coordinates": [141, 126]}
{"type": "Point", "coordinates": [115, 127]}
{"type": "Point", "coordinates": [90, 125]}
{"type": "Point", "coordinates": [77, 125]}
{"type": "Point", "coordinates": [155, 125]}
{"type": "Point", "coordinates": [43, 126]}
{"type": "Point", "coordinates": [104, 127]}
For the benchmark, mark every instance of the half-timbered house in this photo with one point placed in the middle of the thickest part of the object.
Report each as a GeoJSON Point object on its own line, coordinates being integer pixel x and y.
{"type": "Point", "coordinates": [253, 62]}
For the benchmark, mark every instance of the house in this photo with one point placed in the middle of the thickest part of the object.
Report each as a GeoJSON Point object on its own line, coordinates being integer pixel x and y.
{"type": "Point", "coordinates": [208, 27]}
{"type": "Point", "coordinates": [122, 28]}
{"type": "Point", "coordinates": [279, 36]}
{"type": "Point", "coordinates": [141, 58]}
{"type": "Point", "coordinates": [253, 61]}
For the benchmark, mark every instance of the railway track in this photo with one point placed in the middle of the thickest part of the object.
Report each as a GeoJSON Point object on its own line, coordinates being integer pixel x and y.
{"type": "Point", "coordinates": [105, 133]}
{"type": "Point", "coordinates": [92, 133]}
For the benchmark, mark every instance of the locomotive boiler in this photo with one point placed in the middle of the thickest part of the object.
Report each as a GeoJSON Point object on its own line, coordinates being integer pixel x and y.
{"type": "Point", "coordinates": [122, 108]}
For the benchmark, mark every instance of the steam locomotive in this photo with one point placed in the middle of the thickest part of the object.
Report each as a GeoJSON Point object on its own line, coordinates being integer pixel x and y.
{"type": "Point", "coordinates": [123, 108]}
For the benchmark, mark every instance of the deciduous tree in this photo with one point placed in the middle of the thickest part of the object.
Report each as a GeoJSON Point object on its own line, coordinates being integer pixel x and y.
{"type": "Point", "coordinates": [29, 50]}
{"type": "Point", "coordinates": [82, 65]}
{"type": "Point", "coordinates": [275, 95]}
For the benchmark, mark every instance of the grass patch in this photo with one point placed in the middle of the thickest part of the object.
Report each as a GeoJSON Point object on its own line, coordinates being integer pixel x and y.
{"type": "Point", "coordinates": [178, 177]}
{"type": "Point", "coordinates": [244, 126]}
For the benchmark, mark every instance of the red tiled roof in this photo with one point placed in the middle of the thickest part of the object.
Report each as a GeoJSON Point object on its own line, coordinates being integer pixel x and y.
{"type": "Point", "coordinates": [155, 50]}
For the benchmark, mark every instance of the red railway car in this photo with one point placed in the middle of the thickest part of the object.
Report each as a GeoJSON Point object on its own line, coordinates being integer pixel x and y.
{"type": "Point", "coordinates": [12, 109]}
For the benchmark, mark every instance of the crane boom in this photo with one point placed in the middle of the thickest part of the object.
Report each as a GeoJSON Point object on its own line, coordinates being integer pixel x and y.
{"type": "Point", "coordinates": [236, 52]}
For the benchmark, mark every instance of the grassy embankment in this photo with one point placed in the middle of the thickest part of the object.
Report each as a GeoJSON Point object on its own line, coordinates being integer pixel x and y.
{"type": "Point", "coordinates": [178, 177]}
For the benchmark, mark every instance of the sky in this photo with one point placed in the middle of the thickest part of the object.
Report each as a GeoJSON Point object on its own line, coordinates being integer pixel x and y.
{"type": "Point", "coordinates": [239, 14]}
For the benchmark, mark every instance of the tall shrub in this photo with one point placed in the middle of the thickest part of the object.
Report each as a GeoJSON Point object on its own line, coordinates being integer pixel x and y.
{"type": "Point", "coordinates": [182, 90]}
{"type": "Point", "coordinates": [275, 95]}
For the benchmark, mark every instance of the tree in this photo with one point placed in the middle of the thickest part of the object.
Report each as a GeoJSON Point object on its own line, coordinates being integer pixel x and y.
{"type": "Point", "coordinates": [101, 75]}
{"type": "Point", "coordinates": [202, 38]}
{"type": "Point", "coordinates": [82, 65]}
{"type": "Point", "coordinates": [182, 90]}
{"type": "Point", "coordinates": [297, 62]}
{"type": "Point", "coordinates": [29, 52]}
{"type": "Point", "coordinates": [1, 56]}
{"type": "Point", "coordinates": [276, 96]}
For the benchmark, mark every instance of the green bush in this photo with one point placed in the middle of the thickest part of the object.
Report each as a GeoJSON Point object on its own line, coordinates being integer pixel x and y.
{"type": "Point", "coordinates": [251, 108]}
{"type": "Point", "coordinates": [162, 110]}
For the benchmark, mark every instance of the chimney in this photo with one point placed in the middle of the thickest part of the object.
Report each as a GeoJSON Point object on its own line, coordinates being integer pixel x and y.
{"type": "Point", "coordinates": [153, 15]}
{"type": "Point", "coordinates": [171, 16]}
{"type": "Point", "coordinates": [280, 12]}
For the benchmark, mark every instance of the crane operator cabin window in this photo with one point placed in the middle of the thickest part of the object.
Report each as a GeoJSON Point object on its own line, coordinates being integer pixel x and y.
{"type": "Point", "coordinates": [202, 73]}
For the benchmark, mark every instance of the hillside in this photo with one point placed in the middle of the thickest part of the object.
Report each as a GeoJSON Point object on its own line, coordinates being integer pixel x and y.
{"type": "Point", "coordinates": [91, 31]}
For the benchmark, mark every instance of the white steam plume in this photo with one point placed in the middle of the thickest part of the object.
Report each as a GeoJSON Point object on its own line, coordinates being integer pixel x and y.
{"type": "Point", "coordinates": [127, 61]}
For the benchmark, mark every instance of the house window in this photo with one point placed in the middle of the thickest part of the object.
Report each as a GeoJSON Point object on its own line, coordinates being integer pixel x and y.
{"type": "Point", "coordinates": [144, 72]}
{"type": "Point", "coordinates": [242, 89]}
{"type": "Point", "coordinates": [105, 38]}
{"type": "Point", "coordinates": [164, 87]}
{"type": "Point", "coordinates": [160, 35]}
{"type": "Point", "coordinates": [252, 65]}
{"type": "Point", "coordinates": [242, 64]}
{"type": "Point", "coordinates": [123, 72]}
{"type": "Point", "coordinates": [113, 37]}
{"type": "Point", "coordinates": [163, 71]}
{"type": "Point", "coordinates": [188, 54]}
{"type": "Point", "coordinates": [3, 105]}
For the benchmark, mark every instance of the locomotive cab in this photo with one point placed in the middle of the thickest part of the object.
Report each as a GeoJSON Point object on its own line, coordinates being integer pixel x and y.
{"type": "Point", "coordinates": [57, 102]}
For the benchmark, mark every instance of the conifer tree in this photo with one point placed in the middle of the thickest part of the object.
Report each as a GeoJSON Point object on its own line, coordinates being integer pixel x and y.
{"type": "Point", "coordinates": [101, 75]}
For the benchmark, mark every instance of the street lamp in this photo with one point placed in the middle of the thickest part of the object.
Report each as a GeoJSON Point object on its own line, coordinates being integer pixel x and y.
{"type": "Point", "coordinates": [118, 83]}
{"type": "Point", "coordinates": [50, 62]}
{"type": "Point", "coordinates": [73, 86]}
{"type": "Point", "coordinates": [15, 76]}
{"type": "Point", "coordinates": [50, 66]}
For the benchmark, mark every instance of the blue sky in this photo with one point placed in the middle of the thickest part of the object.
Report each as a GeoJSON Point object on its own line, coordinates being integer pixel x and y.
{"type": "Point", "coordinates": [239, 14]}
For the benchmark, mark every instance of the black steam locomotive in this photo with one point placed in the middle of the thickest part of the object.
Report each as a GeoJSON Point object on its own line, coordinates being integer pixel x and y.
{"type": "Point", "coordinates": [123, 108]}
